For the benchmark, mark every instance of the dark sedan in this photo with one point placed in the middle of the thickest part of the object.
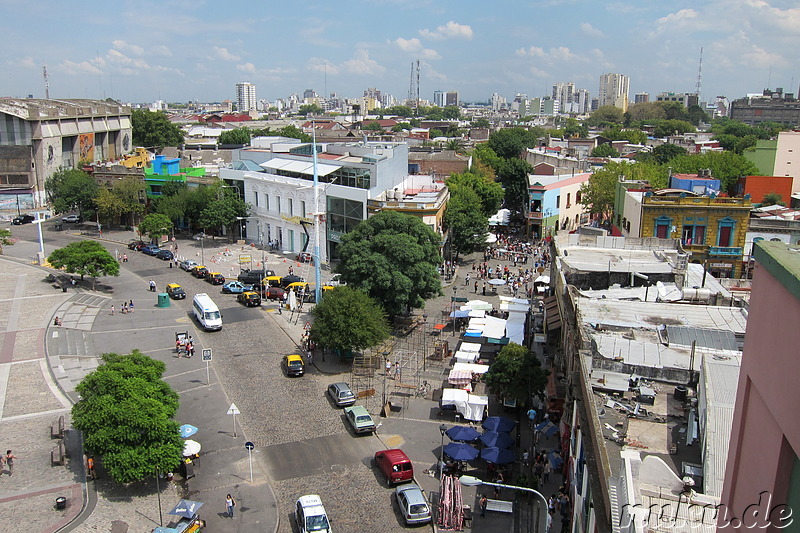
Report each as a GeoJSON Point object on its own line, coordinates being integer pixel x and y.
{"type": "Point", "coordinates": [165, 255]}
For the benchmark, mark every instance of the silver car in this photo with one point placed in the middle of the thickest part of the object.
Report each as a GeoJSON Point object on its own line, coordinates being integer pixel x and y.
{"type": "Point", "coordinates": [341, 394]}
{"type": "Point", "coordinates": [187, 265]}
{"type": "Point", "coordinates": [412, 503]}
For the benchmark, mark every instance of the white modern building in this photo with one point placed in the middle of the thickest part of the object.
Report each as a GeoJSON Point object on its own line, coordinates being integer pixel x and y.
{"type": "Point", "coordinates": [246, 97]}
{"type": "Point", "coordinates": [277, 176]}
{"type": "Point", "coordinates": [614, 90]}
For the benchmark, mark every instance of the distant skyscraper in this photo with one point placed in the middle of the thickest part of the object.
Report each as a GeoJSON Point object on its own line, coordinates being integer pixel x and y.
{"type": "Point", "coordinates": [641, 98]}
{"type": "Point", "coordinates": [246, 97]}
{"type": "Point", "coordinates": [498, 102]}
{"type": "Point", "coordinates": [451, 98]}
{"type": "Point", "coordinates": [570, 99]}
{"type": "Point", "coordinates": [614, 90]}
{"type": "Point", "coordinates": [438, 98]}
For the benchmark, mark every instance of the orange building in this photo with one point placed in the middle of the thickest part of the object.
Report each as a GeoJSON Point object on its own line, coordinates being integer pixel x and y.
{"type": "Point", "coordinates": [759, 186]}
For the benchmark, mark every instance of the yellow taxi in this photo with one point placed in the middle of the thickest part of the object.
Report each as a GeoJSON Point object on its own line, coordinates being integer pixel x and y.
{"type": "Point", "coordinates": [215, 278]}
{"type": "Point", "coordinates": [293, 365]}
{"type": "Point", "coordinates": [175, 291]}
{"type": "Point", "coordinates": [199, 271]}
{"type": "Point", "coordinates": [271, 281]}
{"type": "Point", "coordinates": [249, 298]}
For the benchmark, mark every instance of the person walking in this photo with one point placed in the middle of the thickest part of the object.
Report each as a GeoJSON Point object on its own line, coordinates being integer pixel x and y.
{"type": "Point", "coordinates": [152, 286]}
{"type": "Point", "coordinates": [112, 310]}
{"type": "Point", "coordinates": [476, 286]}
{"type": "Point", "coordinates": [230, 503]}
{"type": "Point", "coordinates": [10, 462]}
{"type": "Point", "coordinates": [388, 367]}
{"type": "Point", "coordinates": [482, 504]}
{"type": "Point", "coordinates": [90, 467]}
{"type": "Point", "coordinates": [124, 308]}
{"type": "Point", "coordinates": [546, 471]}
{"type": "Point", "coordinates": [130, 306]}
{"type": "Point", "coordinates": [397, 370]}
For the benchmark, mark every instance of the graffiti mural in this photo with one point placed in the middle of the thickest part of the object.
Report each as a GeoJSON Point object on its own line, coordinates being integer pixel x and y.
{"type": "Point", "coordinates": [86, 146]}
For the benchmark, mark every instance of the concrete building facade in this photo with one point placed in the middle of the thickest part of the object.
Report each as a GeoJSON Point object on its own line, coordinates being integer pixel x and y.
{"type": "Point", "coordinates": [614, 90]}
{"type": "Point", "coordinates": [246, 100]}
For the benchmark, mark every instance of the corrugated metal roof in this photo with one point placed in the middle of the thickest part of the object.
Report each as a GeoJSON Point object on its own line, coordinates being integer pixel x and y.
{"type": "Point", "coordinates": [721, 381]}
{"type": "Point", "coordinates": [709, 338]}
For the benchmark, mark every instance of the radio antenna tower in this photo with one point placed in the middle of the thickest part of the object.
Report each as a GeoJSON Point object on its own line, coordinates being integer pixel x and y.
{"type": "Point", "coordinates": [413, 87]}
{"type": "Point", "coordinates": [46, 83]}
{"type": "Point", "coordinates": [700, 76]}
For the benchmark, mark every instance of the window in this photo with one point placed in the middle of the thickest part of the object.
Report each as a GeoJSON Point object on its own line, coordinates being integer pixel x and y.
{"type": "Point", "coordinates": [266, 201]}
{"type": "Point", "coordinates": [578, 197]}
{"type": "Point", "coordinates": [303, 211]}
{"type": "Point", "coordinates": [255, 198]}
{"type": "Point", "coordinates": [291, 207]}
{"type": "Point", "coordinates": [568, 202]}
{"type": "Point", "coordinates": [558, 201]}
{"type": "Point", "coordinates": [662, 229]}
{"type": "Point", "coordinates": [693, 234]}
{"type": "Point", "coordinates": [278, 203]}
{"type": "Point", "coordinates": [725, 232]}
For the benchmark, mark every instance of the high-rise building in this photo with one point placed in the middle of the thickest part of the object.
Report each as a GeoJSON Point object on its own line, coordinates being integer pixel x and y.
{"type": "Point", "coordinates": [498, 102]}
{"type": "Point", "coordinates": [571, 100]}
{"type": "Point", "coordinates": [445, 98]}
{"type": "Point", "coordinates": [438, 98]}
{"type": "Point", "coordinates": [641, 98]}
{"type": "Point", "coordinates": [246, 97]}
{"type": "Point", "coordinates": [614, 90]}
{"type": "Point", "coordinates": [564, 92]}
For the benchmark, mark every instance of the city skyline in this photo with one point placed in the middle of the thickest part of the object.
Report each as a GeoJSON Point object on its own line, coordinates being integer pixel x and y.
{"type": "Point", "coordinates": [186, 51]}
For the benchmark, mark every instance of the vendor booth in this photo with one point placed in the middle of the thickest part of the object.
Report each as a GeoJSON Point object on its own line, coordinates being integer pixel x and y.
{"type": "Point", "coordinates": [470, 406]}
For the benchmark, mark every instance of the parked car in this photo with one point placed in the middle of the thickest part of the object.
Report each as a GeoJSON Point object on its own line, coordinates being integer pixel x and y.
{"type": "Point", "coordinates": [136, 245]}
{"type": "Point", "coordinates": [73, 219]}
{"type": "Point", "coordinates": [165, 255]}
{"type": "Point", "coordinates": [288, 280]}
{"type": "Point", "coordinates": [175, 291]}
{"type": "Point", "coordinates": [310, 515]}
{"type": "Point", "coordinates": [150, 249]}
{"type": "Point", "coordinates": [254, 277]}
{"type": "Point", "coordinates": [359, 418]}
{"type": "Point", "coordinates": [341, 394]}
{"type": "Point", "coordinates": [199, 236]}
{"type": "Point", "coordinates": [22, 219]}
{"type": "Point", "coordinates": [336, 281]}
{"type": "Point", "coordinates": [274, 293]}
{"type": "Point", "coordinates": [272, 281]}
{"type": "Point", "coordinates": [395, 466]}
{"type": "Point", "coordinates": [249, 298]}
{"type": "Point", "coordinates": [304, 257]}
{"type": "Point", "coordinates": [199, 271]}
{"type": "Point", "coordinates": [215, 278]}
{"type": "Point", "coordinates": [412, 503]}
{"type": "Point", "coordinates": [187, 265]}
{"type": "Point", "coordinates": [293, 365]}
{"type": "Point", "coordinates": [236, 287]}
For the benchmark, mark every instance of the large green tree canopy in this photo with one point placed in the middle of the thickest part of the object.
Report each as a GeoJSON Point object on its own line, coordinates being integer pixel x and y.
{"type": "Point", "coordinates": [516, 374]}
{"type": "Point", "coordinates": [727, 167]}
{"type": "Point", "coordinates": [152, 129]}
{"type": "Point", "coordinates": [223, 211]}
{"type": "Point", "coordinates": [155, 225]}
{"type": "Point", "coordinates": [513, 174]}
{"type": "Point", "coordinates": [393, 257]}
{"type": "Point", "coordinates": [480, 179]}
{"type": "Point", "coordinates": [465, 221]}
{"type": "Point", "coordinates": [125, 413]}
{"type": "Point", "coordinates": [348, 320]}
{"type": "Point", "coordinates": [87, 258]}
{"type": "Point", "coordinates": [511, 142]}
{"type": "Point", "coordinates": [69, 189]}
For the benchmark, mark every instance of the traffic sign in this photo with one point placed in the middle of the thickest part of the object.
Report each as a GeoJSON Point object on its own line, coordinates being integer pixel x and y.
{"type": "Point", "coordinates": [206, 354]}
{"type": "Point", "coordinates": [233, 410]}
{"type": "Point", "coordinates": [249, 445]}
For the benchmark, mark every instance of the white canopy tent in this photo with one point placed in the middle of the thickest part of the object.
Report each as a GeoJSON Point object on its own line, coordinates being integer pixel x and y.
{"type": "Point", "coordinates": [470, 406]}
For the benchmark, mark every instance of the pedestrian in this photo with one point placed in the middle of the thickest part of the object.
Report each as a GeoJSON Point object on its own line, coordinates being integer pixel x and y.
{"type": "Point", "coordinates": [546, 471]}
{"type": "Point", "coordinates": [56, 321]}
{"type": "Point", "coordinates": [309, 357]}
{"type": "Point", "coordinates": [10, 462]}
{"type": "Point", "coordinates": [482, 504]}
{"type": "Point", "coordinates": [189, 348]}
{"type": "Point", "coordinates": [476, 286]}
{"type": "Point", "coordinates": [124, 308]}
{"type": "Point", "coordinates": [550, 514]}
{"type": "Point", "coordinates": [90, 467]}
{"type": "Point", "coordinates": [397, 370]}
{"type": "Point", "coordinates": [130, 306]}
{"type": "Point", "coordinates": [388, 367]}
{"type": "Point", "coordinates": [112, 310]}
{"type": "Point", "coordinates": [152, 286]}
{"type": "Point", "coordinates": [466, 279]}
{"type": "Point", "coordinates": [124, 258]}
{"type": "Point", "coordinates": [525, 458]}
{"type": "Point", "coordinates": [484, 288]}
{"type": "Point", "coordinates": [230, 503]}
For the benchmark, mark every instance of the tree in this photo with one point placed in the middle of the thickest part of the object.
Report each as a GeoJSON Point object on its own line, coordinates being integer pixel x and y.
{"type": "Point", "coordinates": [664, 153]}
{"type": "Point", "coordinates": [631, 135]}
{"type": "Point", "coordinates": [516, 374]}
{"type": "Point", "coordinates": [465, 221]}
{"type": "Point", "coordinates": [604, 150]}
{"type": "Point", "coordinates": [644, 112]}
{"type": "Point", "coordinates": [348, 320]}
{"type": "Point", "coordinates": [310, 109]}
{"type": "Point", "coordinates": [124, 200]}
{"type": "Point", "coordinates": [293, 132]}
{"type": "Point", "coordinates": [6, 239]}
{"type": "Point", "coordinates": [606, 115]}
{"type": "Point", "coordinates": [513, 174]}
{"type": "Point", "coordinates": [238, 136]}
{"type": "Point", "coordinates": [454, 145]}
{"type": "Point", "coordinates": [399, 110]}
{"type": "Point", "coordinates": [451, 112]}
{"type": "Point", "coordinates": [510, 142]}
{"type": "Point", "coordinates": [392, 257]}
{"type": "Point", "coordinates": [672, 127]}
{"type": "Point", "coordinates": [152, 129]}
{"type": "Point", "coordinates": [155, 225]}
{"type": "Point", "coordinates": [87, 258]}
{"type": "Point", "coordinates": [480, 179]}
{"type": "Point", "coordinates": [727, 167]}
{"type": "Point", "coordinates": [772, 198]}
{"type": "Point", "coordinates": [224, 211]}
{"type": "Point", "coordinates": [69, 189]}
{"type": "Point", "coordinates": [696, 115]}
{"type": "Point", "coordinates": [573, 129]}
{"type": "Point", "coordinates": [372, 125]}
{"type": "Point", "coordinates": [480, 123]}
{"type": "Point", "coordinates": [126, 415]}
{"type": "Point", "coordinates": [486, 156]}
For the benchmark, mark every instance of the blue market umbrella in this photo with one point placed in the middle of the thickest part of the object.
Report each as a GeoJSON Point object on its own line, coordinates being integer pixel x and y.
{"type": "Point", "coordinates": [462, 433]}
{"type": "Point", "coordinates": [499, 424]}
{"type": "Point", "coordinates": [458, 451]}
{"type": "Point", "coordinates": [555, 460]}
{"type": "Point", "coordinates": [548, 428]}
{"type": "Point", "coordinates": [187, 430]}
{"type": "Point", "coordinates": [186, 508]}
{"type": "Point", "coordinates": [493, 438]}
{"type": "Point", "coordinates": [498, 456]}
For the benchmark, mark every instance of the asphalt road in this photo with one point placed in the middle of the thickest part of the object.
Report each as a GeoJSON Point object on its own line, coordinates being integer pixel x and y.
{"type": "Point", "coordinates": [302, 441]}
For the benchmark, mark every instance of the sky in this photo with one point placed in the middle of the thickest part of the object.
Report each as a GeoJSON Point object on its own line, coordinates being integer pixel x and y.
{"type": "Point", "coordinates": [180, 50]}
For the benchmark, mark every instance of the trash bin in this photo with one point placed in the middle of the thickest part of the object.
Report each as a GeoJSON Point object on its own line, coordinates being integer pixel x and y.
{"type": "Point", "coordinates": [61, 503]}
{"type": "Point", "coordinates": [163, 299]}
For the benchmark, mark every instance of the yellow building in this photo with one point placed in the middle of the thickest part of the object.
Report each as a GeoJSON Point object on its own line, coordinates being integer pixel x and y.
{"type": "Point", "coordinates": [711, 228]}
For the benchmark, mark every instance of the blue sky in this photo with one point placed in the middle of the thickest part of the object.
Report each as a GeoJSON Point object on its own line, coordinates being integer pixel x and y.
{"type": "Point", "coordinates": [180, 50]}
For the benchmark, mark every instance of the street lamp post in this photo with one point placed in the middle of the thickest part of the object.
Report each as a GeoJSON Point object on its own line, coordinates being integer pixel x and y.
{"type": "Point", "coordinates": [424, 342]}
{"type": "Point", "coordinates": [471, 481]}
{"type": "Point", "coordinates": [442, 429]}
{"type": "Point", "coordinates": [385, 373]}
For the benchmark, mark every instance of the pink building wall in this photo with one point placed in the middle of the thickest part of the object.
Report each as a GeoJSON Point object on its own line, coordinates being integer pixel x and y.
{"type": "Point", "coordinates": [765, 437]}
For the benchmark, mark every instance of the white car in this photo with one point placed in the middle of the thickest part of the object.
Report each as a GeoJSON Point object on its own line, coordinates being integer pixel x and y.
{"type": "Point", "coordinates": [310, 515]}
{"type": "Point", "coordinates": [187, 265]}
{"type": "Point", "coordinates": [71, 218]}
{"type": "Point", "coordinates": [336, 281]}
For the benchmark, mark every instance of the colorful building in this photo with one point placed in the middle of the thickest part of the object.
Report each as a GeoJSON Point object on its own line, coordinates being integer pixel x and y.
{"type": "Point", "coordinates": [165, 171]}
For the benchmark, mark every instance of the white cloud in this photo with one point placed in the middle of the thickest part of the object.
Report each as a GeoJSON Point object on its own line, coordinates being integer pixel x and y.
{"type": "Point", "coordinates": [451, 30]}
{"type": "Point", "coordinates": [786, 19]}
{"type": "Point", "coordinates": [591, 31]}
{"type": "Point", "coordinates": [562, 53]}
{"type": "Point", "coordinates": [247, 67]}
{"type": "Point", "coordinates": [362, 64]}
{"type": "Point", "coordinates": [414, 46]}
{"type": "Point", "coordinates": [533, 51]}
{"type": "Point", "coordinates": [538, 73]}
{"type": "Point", "coordinates": [161, 50]}
{"type": "Point", "coordinates": [323, 65]}
{"type": "Point", "coordinates": [677, 18]}
{"type": "Point", "coordinates": [23, 62]}
{"type": "Point", "coordinates": [223, 54]}
{"type": "Point", "coordinates": [556, 54]}
{"type": "Point", "coordinates": [129, 49]}
{"type": "Point", "coordinates": [84, 67]}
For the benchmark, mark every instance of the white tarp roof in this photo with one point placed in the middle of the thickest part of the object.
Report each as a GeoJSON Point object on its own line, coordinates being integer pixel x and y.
{"type": "Point", "coordinates": [515, 327]}
{"type": "Point", "coordinates": [471, 406]}
{"type": "Point", "coordinates": [469, 347]}
{"type": "Point", "coordinates": [514, 304]}
{"type": "Point", "coordinates": [301, 167]}
{"type": "Point", "coordinates": [475, 369]}
{"type": "Point", "coordinates": [466, 357]}
{"type": "Point", "coordinates": [495, 328]}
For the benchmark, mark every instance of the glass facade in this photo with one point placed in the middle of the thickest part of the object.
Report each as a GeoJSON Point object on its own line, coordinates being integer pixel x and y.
{"type": "Point", "coordinates": [343, 215]}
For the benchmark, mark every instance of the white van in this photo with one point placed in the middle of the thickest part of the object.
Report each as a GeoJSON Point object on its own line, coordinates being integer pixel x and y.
{"type": "Point", "coordinates": [207, 312]}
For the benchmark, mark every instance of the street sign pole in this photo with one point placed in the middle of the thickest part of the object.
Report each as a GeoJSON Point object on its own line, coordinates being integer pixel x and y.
{"type": "Point", "coordinates": [233, 410]}
{"type": "Point", "coordinates": [207, 359]}
{"type": "Point", "coordinates": [249, 445]}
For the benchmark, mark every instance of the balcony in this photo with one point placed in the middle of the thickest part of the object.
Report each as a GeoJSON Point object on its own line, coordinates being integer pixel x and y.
{"type": "Point", "coordinates": [535, 215]}
{"type": "Point", "coordinates": [725, 251]}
